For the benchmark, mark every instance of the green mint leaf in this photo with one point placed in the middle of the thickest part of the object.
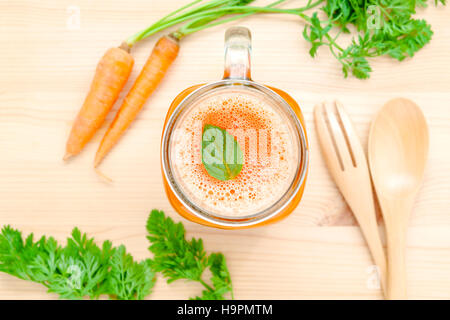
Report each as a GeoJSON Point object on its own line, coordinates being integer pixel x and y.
{"type": "Point", "coordinates": [221, 154]}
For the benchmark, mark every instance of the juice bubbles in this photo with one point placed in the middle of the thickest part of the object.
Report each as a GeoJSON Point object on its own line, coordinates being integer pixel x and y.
{"type": "Point", "coordinates": [267, 139]}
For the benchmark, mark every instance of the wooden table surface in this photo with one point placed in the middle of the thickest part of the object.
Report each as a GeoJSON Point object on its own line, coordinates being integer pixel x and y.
{"type": "Point", "coordinates": [47, 63]}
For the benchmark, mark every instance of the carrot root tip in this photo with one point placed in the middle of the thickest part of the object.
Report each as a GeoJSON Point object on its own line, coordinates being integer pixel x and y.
{"type": "Point", "coordinates": [67, 156]}
{"type": "Point", "coordinates": [103, 176]}
{"type": "Point", "coordinates": [97, 162]}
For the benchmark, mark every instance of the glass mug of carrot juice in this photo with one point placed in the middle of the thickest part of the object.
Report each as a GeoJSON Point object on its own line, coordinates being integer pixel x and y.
{"type": "Point", "coordinates": [264, 178]}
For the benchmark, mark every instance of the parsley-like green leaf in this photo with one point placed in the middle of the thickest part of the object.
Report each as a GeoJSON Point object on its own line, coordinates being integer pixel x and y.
{"type": "Point", "coordinates": [78, 270]}
{"type": "Point", "coordinates": [129, 279]}
{"type": "Point", "coordinates": [380, 27]}
{"type": "Point", "coordinates": [83, 269]}
{"type": "Point", "coordinates": [177, 258]}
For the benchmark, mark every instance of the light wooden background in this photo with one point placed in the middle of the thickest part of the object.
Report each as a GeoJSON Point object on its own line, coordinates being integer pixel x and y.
{"type": "Point", "coordinates": [318, 252]}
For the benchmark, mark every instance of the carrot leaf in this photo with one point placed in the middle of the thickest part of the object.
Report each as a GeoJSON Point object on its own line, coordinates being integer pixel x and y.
{"type": "Point", "coordinates": [79, 269]}
{"type": "Point", "coordinates": [83, 269]}
{"type": "Point", "coordinates": [177, 258]}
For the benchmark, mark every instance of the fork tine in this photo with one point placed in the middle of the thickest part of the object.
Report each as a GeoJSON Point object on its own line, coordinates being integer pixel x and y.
{"type": "Point", "coordinates": [354, 142]}
{"type": "Point", "coordinates": [328, 148]}
{"type": "Point", "coordinates": [338, 136]}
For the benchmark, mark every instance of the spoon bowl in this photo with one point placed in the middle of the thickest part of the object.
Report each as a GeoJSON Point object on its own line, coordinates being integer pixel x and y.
{"type": "Point", "coordinates": [398, 146]}
{"type": "Point", "coordinates": [398, 150]}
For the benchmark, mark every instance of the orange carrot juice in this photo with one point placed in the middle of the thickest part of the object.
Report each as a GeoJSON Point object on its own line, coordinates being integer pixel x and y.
{"type": "Point", "coordinates": [273, 159]}
{"type": "Point", "coordinates": [270, 153]}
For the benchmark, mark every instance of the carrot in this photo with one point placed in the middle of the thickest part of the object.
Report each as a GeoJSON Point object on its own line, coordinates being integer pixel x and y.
{"type": "Point", "coordinates": [115, 67]}
{"type": "Point", "coordinates": [110, 77]}
{"type": "Point", "coordinates": [162, 56]}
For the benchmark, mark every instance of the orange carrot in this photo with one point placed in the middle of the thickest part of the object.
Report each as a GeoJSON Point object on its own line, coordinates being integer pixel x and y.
{"type": "Point", "coordinates": [110, 77]}
{"type": "Point", "coordinates": [162, 56]}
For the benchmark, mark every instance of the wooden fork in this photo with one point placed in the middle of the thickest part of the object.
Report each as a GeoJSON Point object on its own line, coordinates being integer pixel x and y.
{"type": "Point", "coordinates": [347, 163]}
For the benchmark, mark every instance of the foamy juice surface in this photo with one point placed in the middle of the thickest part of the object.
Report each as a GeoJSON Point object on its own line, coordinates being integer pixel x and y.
{"type": "Point", "coordinates": [266, 137]}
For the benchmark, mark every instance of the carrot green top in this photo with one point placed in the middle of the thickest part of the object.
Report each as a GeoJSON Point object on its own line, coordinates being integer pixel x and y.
{"type": "Point", "coordinates": [378, 27]}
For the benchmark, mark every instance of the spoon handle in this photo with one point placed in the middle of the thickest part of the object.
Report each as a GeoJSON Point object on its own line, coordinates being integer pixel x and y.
{"type": "Point", "coordinates": [396, 214]}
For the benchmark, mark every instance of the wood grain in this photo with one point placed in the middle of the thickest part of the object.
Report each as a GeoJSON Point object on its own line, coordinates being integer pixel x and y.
{"type": "Point", "coordinates": [317, 252]}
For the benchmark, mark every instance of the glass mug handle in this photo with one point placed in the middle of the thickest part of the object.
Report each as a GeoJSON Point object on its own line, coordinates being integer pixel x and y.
{"type": "Point", "coordinates": [238, 47]}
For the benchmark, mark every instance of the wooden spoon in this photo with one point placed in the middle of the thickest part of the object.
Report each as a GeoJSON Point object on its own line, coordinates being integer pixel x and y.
{"type": "Point", "coordinates": [398, 150]}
